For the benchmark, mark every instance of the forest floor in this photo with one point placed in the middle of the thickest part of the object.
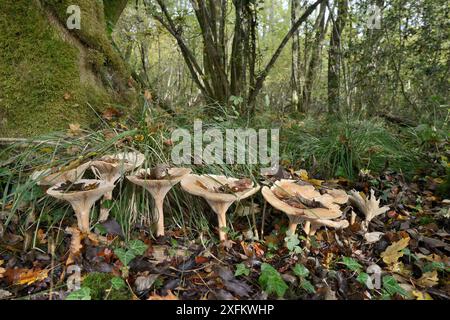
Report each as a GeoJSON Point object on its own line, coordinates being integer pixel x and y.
{"type": "Point", "coordinates": [409, 261]}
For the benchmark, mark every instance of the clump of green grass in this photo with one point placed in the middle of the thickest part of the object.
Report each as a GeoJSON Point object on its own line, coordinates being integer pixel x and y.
{"type": "Point", "coordinates": [333, 147]}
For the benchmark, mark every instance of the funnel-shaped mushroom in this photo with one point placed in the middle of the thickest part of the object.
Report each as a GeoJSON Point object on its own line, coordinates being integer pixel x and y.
{"type": "Point", "coordinates": [304, 203]}
{"type": "Point", "coordinates": [82, 196]}
{"type": "Point", "coordinates": [220, 192]}
{"type": "Point", "coordinates": [158, 185]}
{"type": "Point", "coordinates": [111, 167]}
{"type": "Point", "coordinates": [49, 177]}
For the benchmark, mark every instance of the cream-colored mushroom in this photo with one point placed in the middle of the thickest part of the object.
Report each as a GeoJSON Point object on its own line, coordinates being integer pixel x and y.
{"type": "Point", "coordinates": [68, 173]}
{"type": "Point", "coordinates": [82, 201]}
{"type": "Point", "coordinates": [206, 186]}
{"type": "Point", "coordinates": [323, 208]}
{"type": "Point", "coordinates": [111, 167]}
{"type": "Point", "coordinates": [158, 188]}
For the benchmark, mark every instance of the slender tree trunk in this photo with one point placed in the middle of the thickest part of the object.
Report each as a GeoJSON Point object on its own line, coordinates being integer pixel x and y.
{"type": "Point", "coordinates": [334, 57]}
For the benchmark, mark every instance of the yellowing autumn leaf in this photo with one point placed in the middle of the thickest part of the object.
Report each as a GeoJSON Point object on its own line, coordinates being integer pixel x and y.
{"type": "Point", "coordinates": [421, 295]}
{"type": "Point", "coordinates": [394, 251]}
{"type": "Point", "coordinates": [302, 174]}
{"type": "Point", "coordinates": [31, 276]}
{"type": "Point", "coordinates": [428, 279]}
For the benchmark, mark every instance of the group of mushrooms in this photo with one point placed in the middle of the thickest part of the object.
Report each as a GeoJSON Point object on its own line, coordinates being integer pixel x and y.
{"type": "Point", "coordinates": [301, 202]}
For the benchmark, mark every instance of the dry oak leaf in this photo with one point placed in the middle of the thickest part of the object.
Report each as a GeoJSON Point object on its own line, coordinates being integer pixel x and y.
{"type": "Point", "coordinates": [428, 279]}
{"type": "Point", "coordinates": [394, 251]}
{"type": "Point", "coordinates": [169, 296]}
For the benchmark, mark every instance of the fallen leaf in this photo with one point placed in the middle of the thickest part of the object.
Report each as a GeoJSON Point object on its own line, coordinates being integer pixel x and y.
{"type": "Point", "coordinates": [31, 276]}
{"type": "Point", "coordinates": [372, 237]}
{"type": "Point", "coordinates": [75, 244]}
{"type": "Point", "coordinates": [4, 294]}
{"type": "Point", "coordinates": [421, 295]}
{"type": "Point", "coordinates": [169, 296]}
{"type": "Point", "coordinates": [428, 279]}
{"type": "Point", "coordinates": [143, 283]}
{"type": "Point", "coordinates": [74, 129]}
{"type": "Point", "coordinates": [111, 113]}
{"type": "Point", "coordinates": [394, 251]}
{"type": "Point", "coordinates": [201, 260]}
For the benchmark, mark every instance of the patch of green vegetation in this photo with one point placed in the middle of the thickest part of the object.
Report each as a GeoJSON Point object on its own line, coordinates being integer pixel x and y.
{"type": "Point", "coordinates": [334, 147]}
{"type": "Point", "coordinates": [101, 287]}
{"type": "Point", "coordinates": [93, 30]}
{"type": "Point", "coordinates": [40, 86]}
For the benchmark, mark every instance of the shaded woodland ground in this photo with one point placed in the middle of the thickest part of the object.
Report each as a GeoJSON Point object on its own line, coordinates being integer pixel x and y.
{"type": "Point", "coordinates": [360, 106]}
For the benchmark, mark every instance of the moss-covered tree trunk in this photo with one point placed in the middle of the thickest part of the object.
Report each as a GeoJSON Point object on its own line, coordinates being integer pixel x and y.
{"type": "Point", "coordinates": [51, 76]}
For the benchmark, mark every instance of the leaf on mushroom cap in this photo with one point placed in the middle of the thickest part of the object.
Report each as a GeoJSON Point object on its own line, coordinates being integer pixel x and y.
{"type": "Point", "coordinates": [146, 176]}
{"type": "Point", "coordinates": [110, 167]}
{"type": "Point", "coordinates": [290, 190]}
{"type": "Point", "coordinates": [101, 188]}
{"type": "Point", "coordinates": [49, 178]}
{"type": "Point", "coordinates": [369, 206]}
{"type": "Point", "coordinates": [207, 186]}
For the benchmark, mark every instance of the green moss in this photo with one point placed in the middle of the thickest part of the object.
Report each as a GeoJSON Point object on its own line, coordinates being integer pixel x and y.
{"type": "Point", "coordinates": [37, 68]}
{"type": "Point", "coordinates": [40, 85]}
{"type": "Point", "coordinates": [101, 287]}
{"type": "Point", "coordinates": [93, 29]}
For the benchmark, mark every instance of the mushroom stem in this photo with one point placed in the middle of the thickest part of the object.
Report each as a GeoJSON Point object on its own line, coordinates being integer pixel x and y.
{"type": "Point", "coordinates": [220, 208]}
{"type": "Point", "coordinates": [307, 227]}
{"type": "Point", "coordinates": [222, 225]}
{"type": "Point", "coordinates": [83, 220]}
{"type": "Point", "coordinates": [104, 211]}
{"type": "Point", "coordinates": [292, 227]}
{"type": "Point", "coordinates": [159, 214]}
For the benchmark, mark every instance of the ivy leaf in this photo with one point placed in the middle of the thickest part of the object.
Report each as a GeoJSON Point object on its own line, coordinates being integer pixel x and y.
{"type": "Point", "coordinates": [362, 278]}
{"type": "Point", "coordinates": [118, 283]}
{"type": "Point", "coordinates": [292, 243]}
{"type": "Point", "coordinates": [81, 294]}
{"type": "Point", "coordinates": [241, 269]}
{"type": "Point", "coordinates": [271, 281]}
{"type": "Point", "coordinates": [137, 247]}
{"type": "Point", "coordinates": [392, 287]}
{"type": "Point", "coordinates": [300, 270]}
{"type": "Point", "coordinates": [305, 284]}
{"type": "Point", "coordinates": [351, 263]}
{"type": "Point", "coordinates": [124, 256]}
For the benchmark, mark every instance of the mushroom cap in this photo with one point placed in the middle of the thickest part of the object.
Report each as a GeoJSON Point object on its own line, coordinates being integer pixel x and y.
{"type": "Point", "coordinates": [193, 184]}
{"type": "Point", "coordinates": [159, 188]}
{"type": "Point", "coordinates": [86, 196]}
{"type": "Point", "coordinates": [175, 174]}
{"type": "Point", "coordinates": [45, 178]}
{"type": "Point", "coordinates": [127, 161]}
{"type": "Point", "coordinates": [290, 188]}
{"type": "Point", "coordinates": [340, 196]}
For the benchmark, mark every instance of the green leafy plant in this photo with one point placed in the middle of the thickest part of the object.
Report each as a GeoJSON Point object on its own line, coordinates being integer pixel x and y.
{"type": "Point", "coordinates": [302, 272]}
{"type": "Point", "coordinates": [292, 243]}
{"type": "Point", "coordinates": [80, 294]}
{"type": "Point", "coordinates": [134, 248]}
{"type": "Point", "coordinates": [241, 269]}
{"type": "Point", "coordinates": [271, 281]}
